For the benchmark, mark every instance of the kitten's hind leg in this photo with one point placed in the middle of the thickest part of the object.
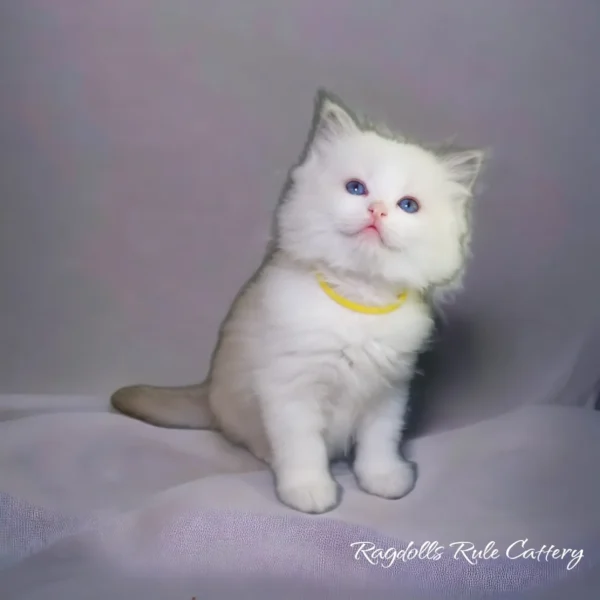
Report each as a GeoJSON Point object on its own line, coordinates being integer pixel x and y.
{"type": "Point", "coordinates": [299, 458]}
{"type": "Point", "coordinates": [379, 468]}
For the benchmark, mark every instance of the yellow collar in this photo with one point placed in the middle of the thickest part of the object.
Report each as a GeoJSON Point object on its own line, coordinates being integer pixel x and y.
{"type": "Point", "coordinates": [355, 306]}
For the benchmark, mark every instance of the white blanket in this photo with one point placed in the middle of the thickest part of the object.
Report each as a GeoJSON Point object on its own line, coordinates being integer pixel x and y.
{"type": "Point", "coordinates": [96, 505]}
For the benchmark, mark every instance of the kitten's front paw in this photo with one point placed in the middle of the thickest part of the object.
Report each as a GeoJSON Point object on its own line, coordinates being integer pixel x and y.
{"type": "Point", "coordinates": [316, 493]}
{"type": "Point", "coordinates": [390, 481]}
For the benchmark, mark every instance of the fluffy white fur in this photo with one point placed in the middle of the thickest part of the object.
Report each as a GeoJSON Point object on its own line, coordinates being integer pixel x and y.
{"type": "Point", "coordinates": [297, 378]}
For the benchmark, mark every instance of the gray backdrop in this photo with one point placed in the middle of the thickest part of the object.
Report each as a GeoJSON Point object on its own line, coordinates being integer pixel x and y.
{"type": "Point", "coordinates": [144, 142]}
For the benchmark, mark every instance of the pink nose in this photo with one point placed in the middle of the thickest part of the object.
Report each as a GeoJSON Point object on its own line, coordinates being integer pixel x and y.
{"type": "Point", "coordinates": [378, 210]}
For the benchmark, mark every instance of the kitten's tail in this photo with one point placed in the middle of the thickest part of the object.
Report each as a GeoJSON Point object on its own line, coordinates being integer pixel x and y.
{"type": "Point", "coordinates": [178, 407]}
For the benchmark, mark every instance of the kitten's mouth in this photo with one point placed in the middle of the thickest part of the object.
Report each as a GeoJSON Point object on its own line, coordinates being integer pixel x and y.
{"type": "Point", "coordinates": [371, 230]}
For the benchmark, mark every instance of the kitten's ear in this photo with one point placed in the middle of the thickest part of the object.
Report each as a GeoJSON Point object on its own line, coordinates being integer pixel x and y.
{"type": "Point", "coordinates": [331, 118]}
{"type": "Point", "coordinates": [464, 166]}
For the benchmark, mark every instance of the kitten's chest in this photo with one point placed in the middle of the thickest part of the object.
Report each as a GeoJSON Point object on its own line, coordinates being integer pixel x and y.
{"type": "Point", "coordinates": [335, 341]}
{"type": "Point", "coordinates": [368, 349]}
{"type": "Point", "coordinates": [381, 351]}
{"type": "Point", "coordinates": [363, 361]}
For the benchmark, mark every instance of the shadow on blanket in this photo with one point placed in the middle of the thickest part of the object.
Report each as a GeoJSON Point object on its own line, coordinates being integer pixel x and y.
{"type": "Point", "coordinates": [456, 332]}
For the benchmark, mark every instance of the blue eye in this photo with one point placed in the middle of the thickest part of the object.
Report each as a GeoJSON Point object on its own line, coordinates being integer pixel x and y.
{"type": "Point", "coordinates": [408, 205]}
{"type": "Point", "coordinates": [356, 188]}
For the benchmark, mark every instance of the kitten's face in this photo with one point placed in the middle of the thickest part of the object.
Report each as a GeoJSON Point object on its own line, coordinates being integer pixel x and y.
{"type": "Point", "coordinates": [377, 207]}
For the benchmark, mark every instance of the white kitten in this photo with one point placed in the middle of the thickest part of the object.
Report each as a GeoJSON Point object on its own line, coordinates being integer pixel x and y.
{"type": "Point", "coordinates": [310, 361]}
